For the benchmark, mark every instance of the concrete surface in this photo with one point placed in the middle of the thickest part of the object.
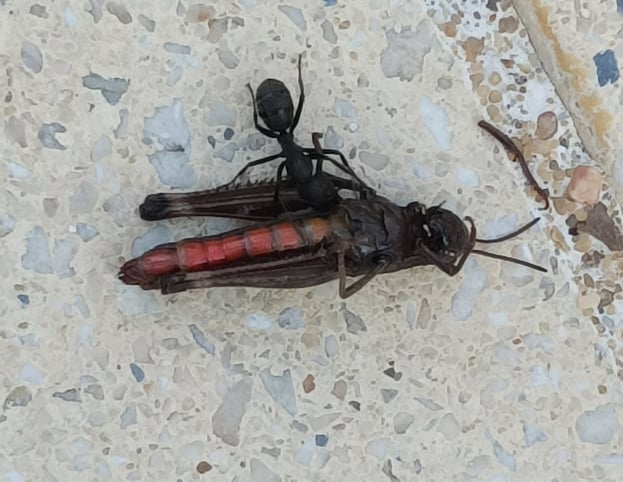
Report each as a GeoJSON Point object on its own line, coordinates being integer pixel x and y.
{"type": "Point", "coordinates": [496, 374]}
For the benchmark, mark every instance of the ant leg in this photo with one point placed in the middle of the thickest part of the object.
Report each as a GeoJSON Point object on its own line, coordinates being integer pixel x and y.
{"type": "Point", "coordinates": [342, 183]}
{"type": "Point", "coordinates": [356, 184]}
{"type": "Point", "coordinates": [257, 162]}
{"type": "Point", "coordinates": [335, 152]}
{"type": "Point", "coordinates": [263, 130]}
{"type": "Point", "coordinates": [345, 166]}
{"type": "Point", "coordinates": [316, 136]}
{"type": "Point", "coordinates": [278, 183]}
{"type": "Point", "coordinates": [362, 188]}
{"type": "Point", "coordinates": [299, 107]}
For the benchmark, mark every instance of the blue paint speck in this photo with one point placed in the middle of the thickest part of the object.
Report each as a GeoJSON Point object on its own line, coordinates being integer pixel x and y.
{"type": "Point", "coordinates": [607, 68]}
{"type": "Point", "coordinates": [228, 134]}
{"type": "Point", "coordinates": [24, 299]}
{"type": "Point", "coordinates": [620, 6]}
{"type": "Point", "coordinates": [329, 3]}
{"type": "Point", "coordinates": [322, 440]}
{"type": "Point", "coordinates": [138, 372]}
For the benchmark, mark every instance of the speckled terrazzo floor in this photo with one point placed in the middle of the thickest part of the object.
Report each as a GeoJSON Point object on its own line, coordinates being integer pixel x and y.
{"type": "Point", "coordinates": [496, 374]}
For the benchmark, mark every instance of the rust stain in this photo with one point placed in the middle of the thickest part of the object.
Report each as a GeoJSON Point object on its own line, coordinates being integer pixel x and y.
{"type": "Point", "coordinates": [600, 119]}
{"type": "Point", "coordinates": [567, 62]}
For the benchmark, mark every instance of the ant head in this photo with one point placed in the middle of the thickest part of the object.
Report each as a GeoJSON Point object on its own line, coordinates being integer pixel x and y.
{"type": "Point", "coordinates": [274, 105]}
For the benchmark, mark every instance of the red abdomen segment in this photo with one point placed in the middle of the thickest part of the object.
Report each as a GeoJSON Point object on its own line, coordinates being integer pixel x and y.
{"type": "Point", "coordinates": [201, 254]}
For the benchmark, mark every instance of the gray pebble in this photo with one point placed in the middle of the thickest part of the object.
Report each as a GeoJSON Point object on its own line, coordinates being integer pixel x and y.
{"type": "Point", "coordinates": [111, 89]}
{"type": "Point", "coordinates": [47, 135]}
{"type": "Point", "coordinates": [32, 57]}
{"type": "Point", "coordinates": [294, 14]}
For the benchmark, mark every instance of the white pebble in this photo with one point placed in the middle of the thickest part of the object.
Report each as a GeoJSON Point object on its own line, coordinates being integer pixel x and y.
{"type": "Point", "coordinates": [330, 346]}
{"type": "Point", "coordinates": [404, 55]}
{"type": "Point", "coordinates": [70, 17]}
{"type": "Point", "coordinates": [174, 169]}
{"type": "Point", "coordinates": [449, 427]}
{"type": "Point", "coordinates": [378, 448]}
{"type": "Point", "coordinates": [542, 377]}
{"type": "Point", "coordinates": [467, 177]}
{"type": "Point", "coordinates": [532, 434]}
{"type": "Point", "coordinates": [86, 335]}
{"type": "Point", "coordinates": [12, 476]}
{"type": "Point", "coordinates": [436, 120]}
{"type": "Point", "coordinates": [294, 14]}
{"type": "Point", "coordinates": [156, 235]}
{"type": "Point", "coordinates": [84, 199]}
{"type": "Point", "coordinates": [501, 226]}
{"type": "Point", "coordinates": [281, 389]}
{"type": "Point", "coordinates": [128, 417]}
{"type": "Point", "coordinates": [220, 114]}
{"type": "Point", "coordinates": [86, 231]}
{"type": "Point", "coordinates": [502, 456]}
{"type": "Point", "coordinates": [516, 274]}
{"type": "Point", "coordinates": [610, 459]}
{"type": "Point", "coordinates": [134, 302]}
{"type": "Point", "coordinates": [7, 225]}
{"type": "Point", "coordinates": [505, 355]}
{"type": "Point", "coordinates": [474, 281]}
{"type": "Point", "coordinates": [420, 171]}
{"type": "Point", "coordinates": [226, 420]}
{"type": "Point", "coordinates": [374, 160]}
{"type": "Point", "coordinates": [291, 318]}
{"type": "Point", "coordinates": [259, 321]}
{"type": "Point", "coordinates": [402, 421]}
{"type": "Point", "coordinates": [64, 252]}
{"type": "Point", "coordinates": [168, 126]}
{"type": "Point", "coordinates": [101, 149]}
{"type": "Point", "coordinates": [228, 58]}
{"type": "Point", "coordinates": [31, 374]}
{"type": "Point", "coordinates": [344, 108]}
{"type": "Point", "coordinates": [304, 455]}
{"type": "Point", "coordinates": [332, 140]}
{"type": "Point", "coordinates": [227, 152]}
{"type": "Point", "coordinates": [17, 171]}
{"type": "Point", "coordinates": [37, 257]}
{"type": "Point", "coordinates": [476, 466]}
{"type": "Point", "coordinates": [261, 473]}
{"type": "Point", "coordinates": [597, 426]}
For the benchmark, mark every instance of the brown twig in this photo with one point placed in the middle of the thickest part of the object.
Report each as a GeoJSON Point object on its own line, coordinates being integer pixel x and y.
{"type": "Point", "coordinates": [510, 146]}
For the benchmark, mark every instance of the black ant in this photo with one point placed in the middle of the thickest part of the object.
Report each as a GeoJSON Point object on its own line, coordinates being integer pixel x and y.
{"type": "Point", "coordinates": [319, 189]}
